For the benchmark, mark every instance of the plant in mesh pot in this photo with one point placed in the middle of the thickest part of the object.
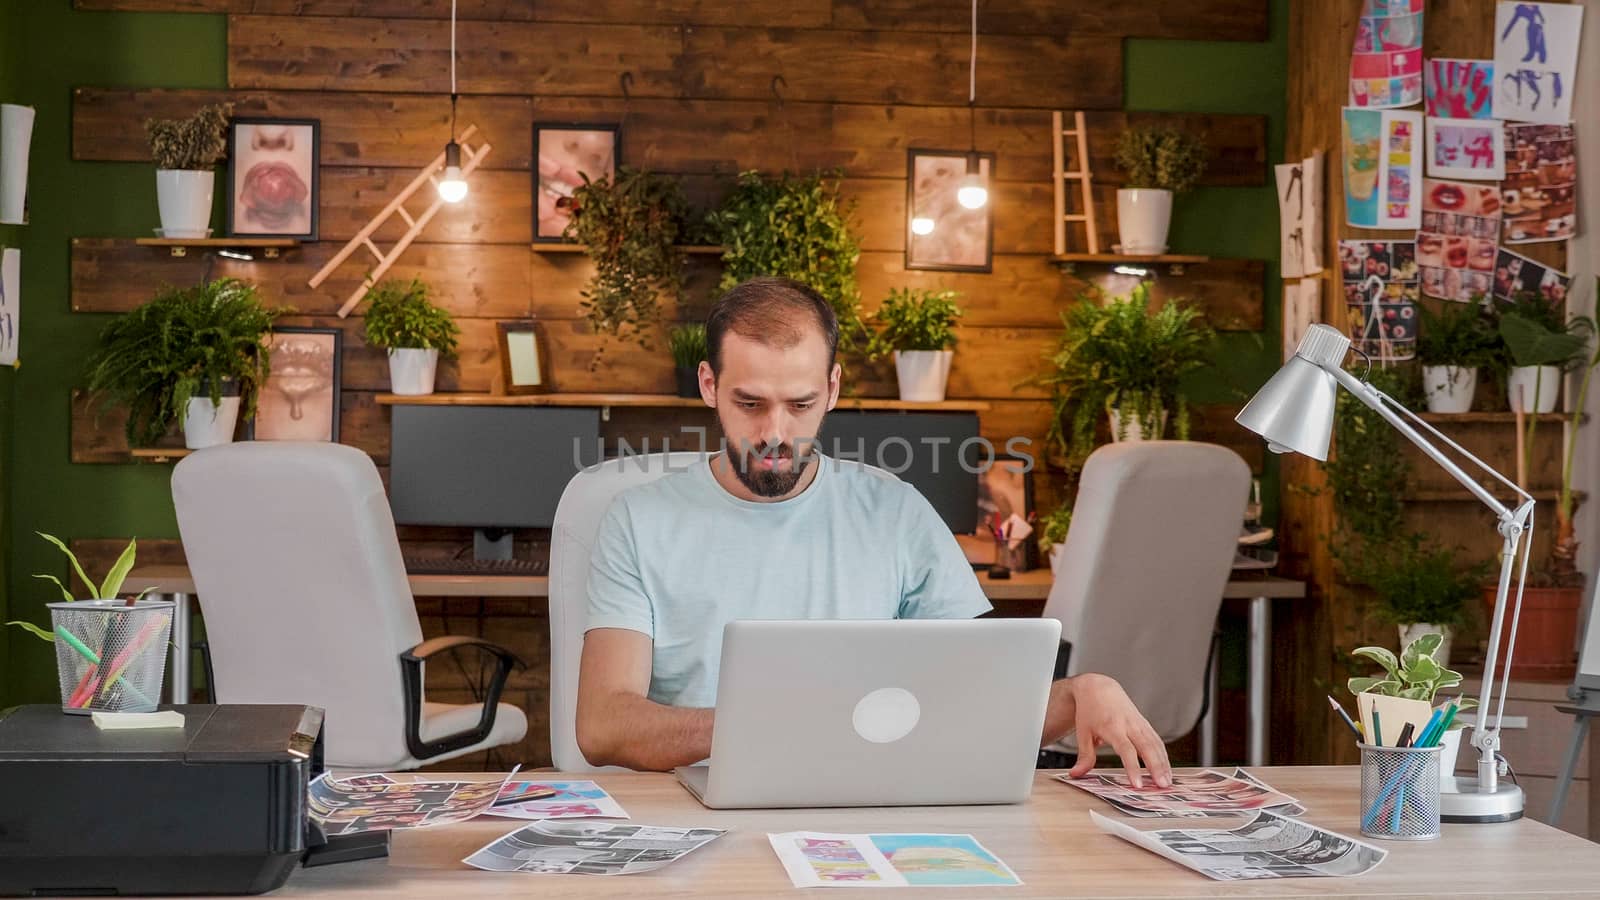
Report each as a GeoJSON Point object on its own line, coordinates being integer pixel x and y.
{"type": "Point", "coordinates": [415, 333]}
{"type": "Point", "coordinates": [1157, 162]}
{"type": "Point", "coordinates": [917, 326]}
{"type": "Point", "coordinates": [186, 153]}
{"type": "Point", "coordinates": [1451, 345]}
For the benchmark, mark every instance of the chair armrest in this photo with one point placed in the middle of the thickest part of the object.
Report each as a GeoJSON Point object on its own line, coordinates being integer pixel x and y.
{"type": "Point", "coordinates": [411, 686]}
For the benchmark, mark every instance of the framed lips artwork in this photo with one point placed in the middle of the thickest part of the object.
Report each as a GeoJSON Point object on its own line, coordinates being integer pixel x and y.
{"type": "Point", "coordinates": [273, 188]}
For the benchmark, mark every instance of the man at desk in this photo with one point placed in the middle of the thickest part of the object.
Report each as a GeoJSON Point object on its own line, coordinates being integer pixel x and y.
{"type": "Point", "coordinates": [771, 528]}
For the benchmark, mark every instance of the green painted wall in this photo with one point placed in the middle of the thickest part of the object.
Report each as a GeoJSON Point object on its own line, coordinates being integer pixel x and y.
{"type": "Point", "coordinates": [10, 236]}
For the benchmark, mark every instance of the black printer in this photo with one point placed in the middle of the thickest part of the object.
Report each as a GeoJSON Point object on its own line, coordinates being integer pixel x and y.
{"type": "Point", "coordinates": [218, 807]}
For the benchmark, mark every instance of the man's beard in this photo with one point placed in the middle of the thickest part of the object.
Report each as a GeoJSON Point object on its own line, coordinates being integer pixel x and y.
{"type": "Point", "coordinates": [776, 481]}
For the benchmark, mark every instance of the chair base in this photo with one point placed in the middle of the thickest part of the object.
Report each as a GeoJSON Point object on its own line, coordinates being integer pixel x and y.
{"type": "Point", "coordinates": [342, 848]}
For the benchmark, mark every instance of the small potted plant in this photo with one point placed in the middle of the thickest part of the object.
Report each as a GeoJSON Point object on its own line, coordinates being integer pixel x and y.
{"type": "Point", "coordinates": [185, 153]}
{"type": "Point", "coordinates": [1053, 533]}
{"type": "Point", "coordinates": [196, 356]}
{"type": "Point", "coordinates": [917, 325]}
{"type": "Point", "coordinates": [1416, 674]}
{"type": "Point", "coordinates": [1421, 588]}
{"type": "Point", "coordinates": [1158, 162]}
{"type": "Point", "coordinates": [1451, 344]}
{"type": "Point", "coordinates": [688, 346]}
{"type": "Point", "coordinates": [402, 321]}
{"type": "Point", "coordinates": [1538, 346]}
{"type": "Point", "coordinates": [631, 225]}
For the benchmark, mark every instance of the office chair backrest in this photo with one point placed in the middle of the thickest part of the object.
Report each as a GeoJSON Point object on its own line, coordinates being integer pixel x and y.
{"type": "Point", "coordinates": [1152, 541]}
{"type": "Point", "coordinates": [583, 505]}
{"type": "Point", "coordinates": [298, 571]}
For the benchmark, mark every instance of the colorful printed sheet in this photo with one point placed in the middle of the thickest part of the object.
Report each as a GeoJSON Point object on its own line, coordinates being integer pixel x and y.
{"type": "Point", "coordinates": [1540, 186]}
{"type": "Point", "coordinates": [590, 848]}
{"type": "Point", "coordinates": [1472, 149]}
{"type": "Point", "coordinates": [1459, 88]}
{"type": "Point", "coordinates": [1535, 56]}
{"type": "Point", "coordinates": [366, 803]}
{"type": "Point", "coordinates": [814, 859]}
{"type": "Point", "coordinates": [1458, 238]}
{"type": "Point", "coordinates": [1386, 64]}
{"type": "Point", "coordinates": [1270, 846]}
{"type": "Point", "coordinates": [555, 800]}
{"type": "Point", "coordinates": [1381, 290]}
{"type": "Point", "coordinates": [1382, 162]}
{"type": "Point", "coordinates": [1516, 274]}
{"type": "Point", "coordinates": [1203, 794]}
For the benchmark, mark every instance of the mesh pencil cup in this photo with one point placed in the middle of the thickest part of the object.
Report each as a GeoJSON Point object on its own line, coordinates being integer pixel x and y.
{"type": "Point", "coordinates": [111, 657]}
{"type": "Point", "coordinates": [1400, 793]}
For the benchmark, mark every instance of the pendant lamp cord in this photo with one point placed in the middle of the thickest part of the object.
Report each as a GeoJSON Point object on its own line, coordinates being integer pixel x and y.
{"type": "Point", "coordinates": [972, 81]}
{"type": "Point", "coordinates": [453, 68]}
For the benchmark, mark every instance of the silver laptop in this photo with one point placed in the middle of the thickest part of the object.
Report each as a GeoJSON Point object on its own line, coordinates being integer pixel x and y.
{"type": "Point", "coordinates": [907, 712]}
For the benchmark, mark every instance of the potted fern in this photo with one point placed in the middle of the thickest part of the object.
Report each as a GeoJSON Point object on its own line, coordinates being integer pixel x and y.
{"type": "Point", "coordinates": [1158, 162]}
{"type": "Point", "coordinates": [688, 346]}
{"type": "Point", "coordinates": [404, 322]}
{"type": "Point", "coordinates": [196, 356]}
{"type": "Point", "coordinates": [917, 325]}
{"type": "Point", "coordinates": [1053, 533]}
{"type": "Point", "coordinates": [1451, 344]}
{"type": "Point", "coordinates": [185, 152]}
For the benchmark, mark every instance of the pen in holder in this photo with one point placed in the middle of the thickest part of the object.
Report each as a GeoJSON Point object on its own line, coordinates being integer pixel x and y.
{"type": "Point", "coordinates": [1400, 792]}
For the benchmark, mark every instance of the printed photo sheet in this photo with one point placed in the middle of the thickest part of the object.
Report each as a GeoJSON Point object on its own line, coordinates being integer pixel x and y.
{"type": "Point", "coordinates": [364, 803]}
{"type": "Point", "coordinates": [1535, 58]}
{"type": "Point", "coordinates": [1192, 795]}
{"type": "Point", "coordinates": [1516, 274]}
{"type": "Point", "coordinates": [1386, 61]}
{"type": "Point", "coordinates": [1381, 289]}
{"type": "Point", "coordinates": [590, 848]}
{"type": "Point", "coordinates": [815, 859]}
{"type": "Point", "coordinates": [555, 800]}
{"type": "Point", "coordinates": [1457, 241]}
{"type": "Point", "coordinates": [1540, 186]}
{"type": "Point", "coordinates": [1270, 846]}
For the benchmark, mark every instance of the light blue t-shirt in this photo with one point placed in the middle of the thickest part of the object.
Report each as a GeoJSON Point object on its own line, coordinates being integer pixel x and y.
{"type": "Point", "coordinates": [680, 557]}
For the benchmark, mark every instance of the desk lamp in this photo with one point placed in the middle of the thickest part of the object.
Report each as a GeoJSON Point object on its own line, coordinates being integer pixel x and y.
{"type": "Point", "coordinates": [1294, 412]}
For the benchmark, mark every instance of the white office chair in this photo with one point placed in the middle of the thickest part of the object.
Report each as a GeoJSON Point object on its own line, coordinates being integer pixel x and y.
{"type": "Point", "coordinates": [296, 564]}
{"type": "Point", "coordinates": [1139, 582]}
{"type": "Point", "coordinates": [583, 505]}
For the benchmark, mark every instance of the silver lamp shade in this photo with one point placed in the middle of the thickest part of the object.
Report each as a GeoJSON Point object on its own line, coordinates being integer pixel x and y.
{"type": "Point", "coordinates": [1294, 409]}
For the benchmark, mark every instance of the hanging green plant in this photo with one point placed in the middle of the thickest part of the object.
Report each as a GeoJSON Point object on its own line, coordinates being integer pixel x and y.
{"type": "Point", "coordinates": [630, 225]}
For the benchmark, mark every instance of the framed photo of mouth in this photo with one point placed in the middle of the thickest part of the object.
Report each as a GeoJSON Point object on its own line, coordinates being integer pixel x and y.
{"type": "Point", "coordinates": [565, 153]}
{"type": "Point", "coordinates": [942, 232]}
{"type": "Point", "coordinates": [300, 399]}
{"type": "Point", "coordinates": [273, 188]}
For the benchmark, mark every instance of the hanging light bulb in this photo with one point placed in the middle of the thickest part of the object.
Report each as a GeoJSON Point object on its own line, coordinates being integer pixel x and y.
{"type": "Point", "coordinates": [973, 193]}
{"type": "Point", "coordinates": [453, 186]}
{"type": "Point", "coordinates": [921, 225]}
{"type": "Point", "coordinates": [974, 190]}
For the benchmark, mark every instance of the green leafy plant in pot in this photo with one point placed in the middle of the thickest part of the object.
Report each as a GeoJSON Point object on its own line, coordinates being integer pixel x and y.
{"type": "Point", "coordinates": [1053, 533]}
{"type": "Point", "coordinates": [1418, 675]}
{"type": "Point", "coordinates": [1157, 162]}
{"type": "Point", "coordinates": [688, 346]}
{"type": "Point", "coordinates": [1452, 344]}
{"type": "Point", "coordinates": [1420, 587]}
{"type": "Point", "coordinates": [186, 153]}
{"type": "Point", "coordinates": [1537, 346]}
{"type": "Point", "coordinates": [196, 356]}
{"type": "Point", "coordinates": [917, 326]}
{"type": "Point", "coordinates": [1117, 358]}
{"type": "Point", "coordinates": [402, 321]}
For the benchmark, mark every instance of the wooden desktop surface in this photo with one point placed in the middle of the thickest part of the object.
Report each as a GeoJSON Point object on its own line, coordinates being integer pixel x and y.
{"type": "Point", "coordinates": [1048, 841]}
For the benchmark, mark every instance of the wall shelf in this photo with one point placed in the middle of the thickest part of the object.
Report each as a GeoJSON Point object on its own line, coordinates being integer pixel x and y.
{"type": "Point", "coordinates": [1175, 263]}
{"type": "Point", "coordinates": [1486, 418]}
{"type": "Point", "coordinates": [268, 247]}
{"type": "Point", "coordinates": [159, 454]}
{"type": "Point", "coordinates": [691, 249]}
{"type": "Point", "coordinates": [652, 401]}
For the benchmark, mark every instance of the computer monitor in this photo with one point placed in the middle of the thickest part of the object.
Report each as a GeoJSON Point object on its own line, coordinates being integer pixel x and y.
{"type": "Point", "coordinates": [492, 468]}
{"type": "Point", "coordinates": [937, 453]}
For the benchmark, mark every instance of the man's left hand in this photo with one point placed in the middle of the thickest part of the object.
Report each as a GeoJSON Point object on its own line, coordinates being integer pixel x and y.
{"type": "Point", "coordinates": [1100, 712]}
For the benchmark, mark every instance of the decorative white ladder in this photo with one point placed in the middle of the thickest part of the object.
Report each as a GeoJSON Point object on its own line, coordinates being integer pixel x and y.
{"type": "Point", "coordinates": [1081, 174]}
{"type": "Point", "coordinates": [429, 175]}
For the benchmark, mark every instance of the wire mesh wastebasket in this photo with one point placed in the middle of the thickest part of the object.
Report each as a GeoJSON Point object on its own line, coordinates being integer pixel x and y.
{"type": "Point", "coordinates": [1400, 792]}
{"type": "Point", "coordinates": [111, 657]}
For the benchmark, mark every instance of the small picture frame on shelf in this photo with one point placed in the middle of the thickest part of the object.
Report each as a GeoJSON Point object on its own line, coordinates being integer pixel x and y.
{"type": "Point", "coordinates": [273, 186]}
{"type": "Point", "coordinates": [524, 366]}
{"type": "Point", "coordinates": [564, 153]}
{"type": "Point", "coordinates": [941, 233]}
{"type": "Point", "coordinates": [1004, 488]}
{"type": "Point", "coordinates": [300, 399]}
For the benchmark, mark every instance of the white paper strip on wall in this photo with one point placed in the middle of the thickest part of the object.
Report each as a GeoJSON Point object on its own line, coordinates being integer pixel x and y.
{"type": "Point", "coordinates": [1300, 216]}
{"type": "Point", "coordinates": [1302, 301]}
{"type": "Point", "coordinates": [10, 303]}
{"type": "Point", "coordinates": [16, 129]}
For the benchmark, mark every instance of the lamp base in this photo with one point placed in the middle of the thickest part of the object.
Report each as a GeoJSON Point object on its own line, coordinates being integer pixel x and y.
{"type": "Point", "coordinates": [1460, 802]}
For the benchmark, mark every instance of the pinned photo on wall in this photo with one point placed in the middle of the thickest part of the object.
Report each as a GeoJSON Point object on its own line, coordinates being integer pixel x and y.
{"type": "Point", "coordinates": [1515, 274]}
{"type": "Point", "coordinates": [1386, 63]}
{"type": "Point", "coordinates": [10, 303]}
{"type": "Point", "coordinates": [1300, 216]}
{"type": "Point", "coordinates": [1459, 88]}
{"type": "Point", "coordinates": [1458, 238]}
{"type": "Point", "coordinates": [1382, 162]}
{"type": "Point", "coordinates": [1540, 186]}
{"type": "Point", "coordinates": [1302, 306]}
{"type": "Point", "coordinates": [1471, 149]}
{"type": "Point", "coordinates": [1535, 58]}
{"type": "Point", "coordinates": [1380, 282]}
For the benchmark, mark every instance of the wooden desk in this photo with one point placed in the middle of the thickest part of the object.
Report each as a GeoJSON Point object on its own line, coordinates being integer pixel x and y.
{"type": "Point", "coordinates": [1049, 842]}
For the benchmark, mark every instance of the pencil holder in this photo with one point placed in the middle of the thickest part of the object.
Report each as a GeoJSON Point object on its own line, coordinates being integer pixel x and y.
{"type": "Point", "coordinates": [111, 657]}
{"type": "Point", "coordinates": [1400, 793]}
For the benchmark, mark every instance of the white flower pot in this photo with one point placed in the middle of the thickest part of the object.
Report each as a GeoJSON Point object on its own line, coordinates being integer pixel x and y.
{"type": "Point", "coordinates": [1055, 556]}
{"type": "Point", "coordinates": [1449, 749]}
{"type": "Point", "coordinates": [1409, 633]}
{"type": "Point", "coordinates": [411, 370]}
{"type": "Point", "coordinates": [1449, 388]}
{"type": "Point", "coordinates": [922, 374]}
{"type": "Point", "coordinates": [1533, 386]}
{"type": "Point", "coordinates": [184, 199]}
{"type": "Point", "coordinates": [1136, 430]}
{"type": "Point", "coordinates": [1143, 216]}
{"type": "Point", "coordinates": [16, 130]}
{"type": "Point", "coordinates": [207, 425]}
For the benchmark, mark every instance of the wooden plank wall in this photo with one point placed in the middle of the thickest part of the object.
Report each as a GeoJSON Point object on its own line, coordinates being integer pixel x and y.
{"type": "Point", "coordinates": [1313, 637]}
{"type": "Point", "coordinates": [861, 82]}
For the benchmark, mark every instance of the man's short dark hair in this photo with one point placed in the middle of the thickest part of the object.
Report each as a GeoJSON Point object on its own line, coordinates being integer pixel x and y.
{"type": "Point", "coordinates": [774, 311]}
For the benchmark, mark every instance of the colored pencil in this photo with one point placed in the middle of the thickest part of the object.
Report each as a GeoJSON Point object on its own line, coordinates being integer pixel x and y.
{"type": "Point", "coordinates": [1349, 722]}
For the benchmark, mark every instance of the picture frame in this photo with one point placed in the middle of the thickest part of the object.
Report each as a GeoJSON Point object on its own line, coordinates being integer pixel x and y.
{"type": "Point", "coordinates": [960, 239]}
{"type": "Point", "coordinates": [524, 358]}
{"type": "Point", "coordinates": [274, 184]}
{"type": "Point", "coordinates": [301, 397]}
{"type": "Point", "coordinates": [563, 152]}
{"type": "Point", "coordinates": [1006, 486]}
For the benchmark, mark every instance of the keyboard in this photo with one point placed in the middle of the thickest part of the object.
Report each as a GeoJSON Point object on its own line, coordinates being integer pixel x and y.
{"type": "Point", "coordinates": [445, 565]}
